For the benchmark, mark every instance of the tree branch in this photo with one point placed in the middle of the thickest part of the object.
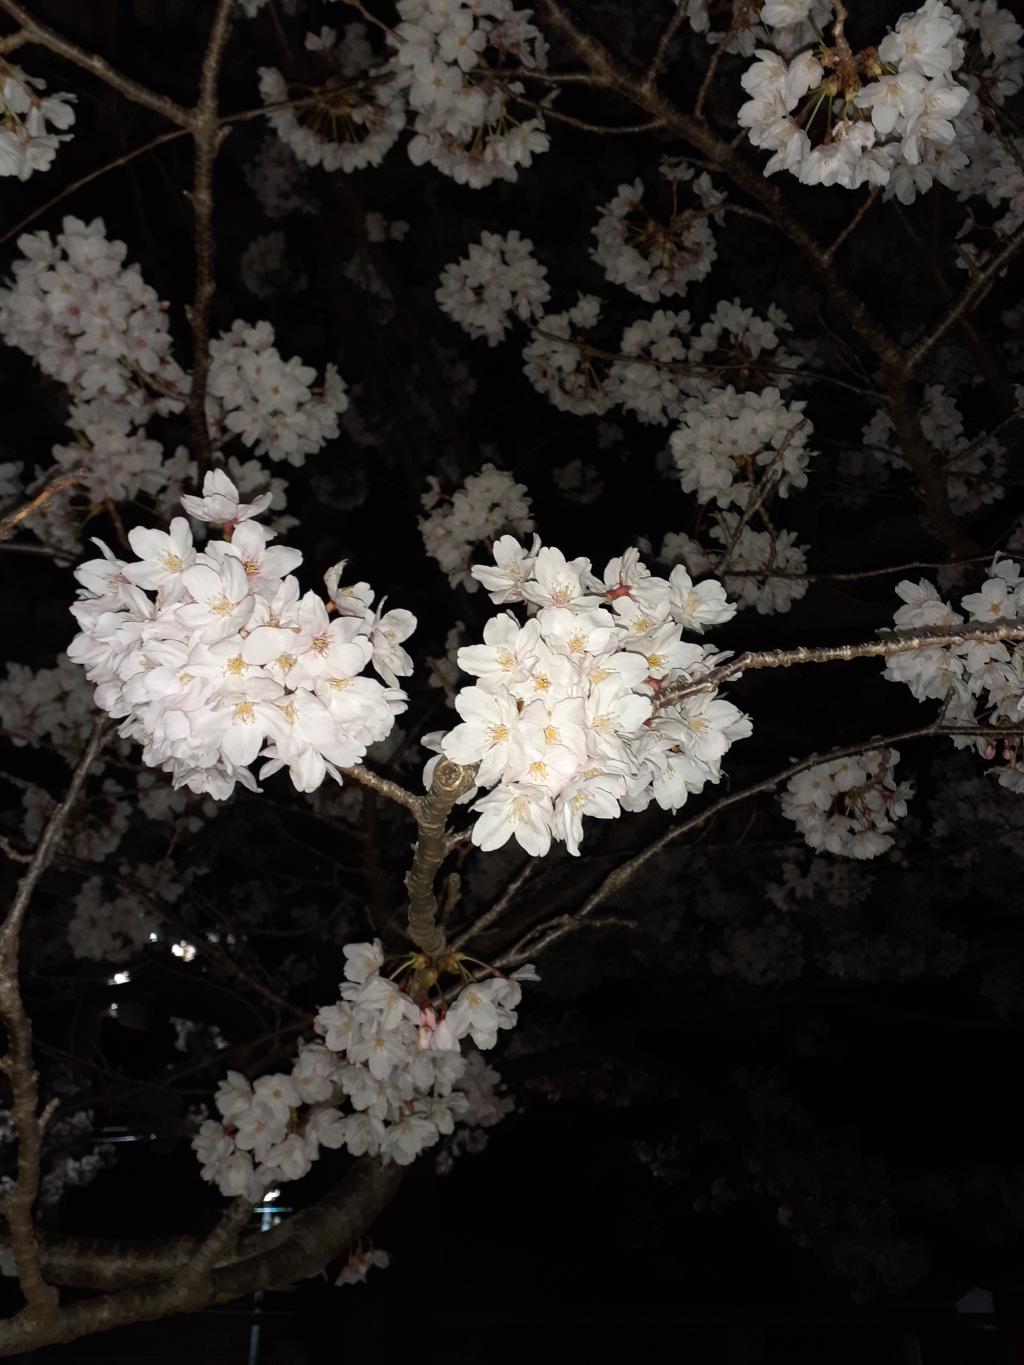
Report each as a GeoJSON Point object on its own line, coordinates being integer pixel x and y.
{"type": "Point", "coordinates": [899, 642]}
{"type": "Point", "coordinates": [35, 31]}
{"type": "Point", "coordinates": [609, 71]}
{"type": "Point", "coordinates": [315, 1237]}
{"type": "Point", "coordinates": [543, 936]}
{"type": "Point", "coordinates": [12, 519]}
{"type": "Point", "coordinates": [17, 1063]}
{"type": "Point", "coordinates": [206, 132]}
{"type": "Point", "coordinates": [450, 781]}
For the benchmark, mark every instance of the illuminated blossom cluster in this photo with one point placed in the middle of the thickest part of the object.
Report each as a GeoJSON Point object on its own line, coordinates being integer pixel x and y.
{"type": "Point", "coordinates": [488, 504]}
{"type": "Point", "coordinates": [558, 365]}
{"type": "Point", "coordinates": [731, 446]}
{"type": "Point", "coordinates": [269, 402]}
{"type": "Point", "coordinates": [658, 255]}
{"type": "Point", "coordinates": [901, 112]}
{"type": "Point", "coordinates": [849, 806]}
{"type": "Point", "coordinates": [449, 56]}
{"type": "Point", "coordinates": [213, 658]}
{"type": "Point", "coordinates": [351, 120]}
{"type": "Point", "coordinates": [398, 1065]}
{"type": "Point", "coordinates": [27, 119]}
{"type": "Point", "coordinates": [90, 321]}
{"type": "Point", "coordinates": [571, 716]}
{"type": "Point", "coordinates": [499, 279]}
{"type": "Point", "coordinates": [979, 683]}
{"type": "Point", "coordinates": [52, 705]}
{"type": "Point", "coordinates": [768, 566]}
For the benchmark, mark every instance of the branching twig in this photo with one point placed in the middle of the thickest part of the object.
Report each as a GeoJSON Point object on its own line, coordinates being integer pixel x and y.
{"type": "Point", "coordinates": [542, 937]}
{"type": "Point", "coordinates": [491, 916]}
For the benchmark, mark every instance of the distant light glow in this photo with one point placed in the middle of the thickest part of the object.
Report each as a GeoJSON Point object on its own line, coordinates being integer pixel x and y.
{"type": "Point", "coordinates": [120, 979]}
{"type": "Point", "coordinates": [186, 951]}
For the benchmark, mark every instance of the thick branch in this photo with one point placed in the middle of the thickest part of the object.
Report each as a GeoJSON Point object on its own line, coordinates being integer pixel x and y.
{"type": "Point", "coordinates": [316, 1236]}
{"type": "Point", "coordinates": [450, 781]}
{"type": "Point", "coordinates": [40, 1297]}
{"type": "Point", "coordinates": [34, 31]}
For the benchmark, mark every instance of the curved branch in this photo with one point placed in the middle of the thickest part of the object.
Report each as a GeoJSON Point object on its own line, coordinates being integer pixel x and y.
{"type": "Point", "coordinates": [35, 31]}
{"type": "Point", "coordinates": [315, 1237]}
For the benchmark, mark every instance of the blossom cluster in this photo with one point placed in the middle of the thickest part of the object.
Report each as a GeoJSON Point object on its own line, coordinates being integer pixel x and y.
{"type": "Point", "coordinates": [398, 1064]}
{"type": "Point", "coordinates": [732, 445]}
{"type": "Point", "coordinates": [499, 278]}
{"type": "Point", "coordinates": [487, 504]}
{"type": "Point", "coordinates": [352, 120]}
{"type": "Point", "coordinates": [212, 658]}
{"type": "Point", "coordinates": [849, 806]}
{"type": "Point", "coordinates": [658, 362]}
{"type": "Point", "coordinates": [51, 705]}
{"type": "Point", "coordinates": [27, 142]}
{"type": "Point", "coordinates": [88, 320]}
{"type": "Point", "coordinates": [980, 682]}
{"type": "Point", "coordinates": [448, 57]}
{"type": "Point", "coordinates": [901, 115]}
{"type": "Point", "coordinates": [565, 719]}
{"type": "Point", "coordinates": [270, 402]}
{"type": "Point", "coordinates": [759, 569]}
{"type": "Point", "coordinates": [658, 257]}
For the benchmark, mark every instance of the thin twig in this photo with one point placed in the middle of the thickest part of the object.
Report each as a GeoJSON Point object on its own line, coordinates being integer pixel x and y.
{"type": "Point", "coordinates": [716, 57]}
{"type": "Point", "coordinates": [12, 519]}
{"type": "Point", "coordinates": [499, 907]}
{"type": "Point", "coordinates": [899, 642]}
{"type": "Point", "coordinates": [542, 937]}
{"type": "Point", "coordinates": [670, 30]}
{"type": "Point", "coordinates": [853, 224]}
{"type": "Point", "coordinates": [206, 131]}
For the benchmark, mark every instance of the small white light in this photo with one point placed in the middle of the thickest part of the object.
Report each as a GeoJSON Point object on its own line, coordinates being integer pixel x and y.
{"type": "Point", "coordinates": [186, 951]}
{"type": "Point", "coordinates": [153, 938]}
{"type": "Point", "coordinates": [120, 979]}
